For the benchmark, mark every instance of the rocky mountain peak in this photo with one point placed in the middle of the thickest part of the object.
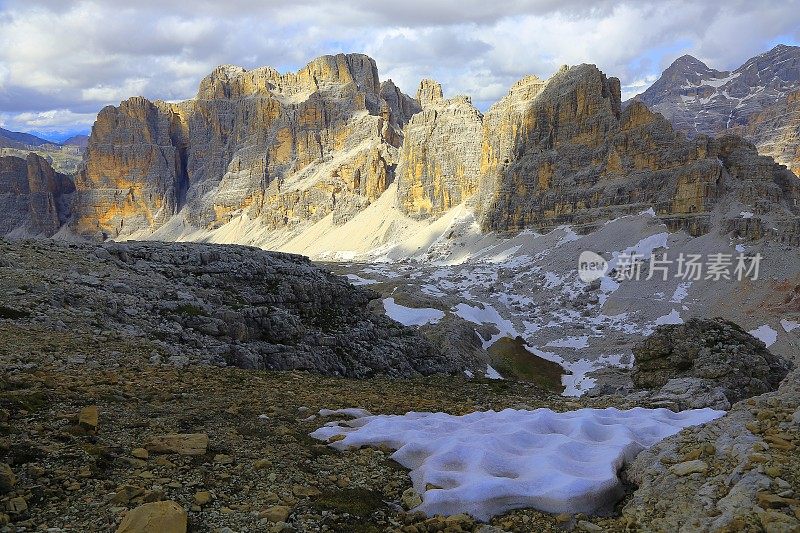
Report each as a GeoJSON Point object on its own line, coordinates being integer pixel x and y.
{"type": "Point", "coordinates": [34, 198]}
{"type": "Point", "coordinates": [330, 71]}
{"type": "Point", "coordinates": [521, 93]}
{"type": "Point", "coordinates": [228, 152]}
{"type": "Point", "coordinates": [688, 63]}
{"type": "Point", "coordinates": [573, 157]}
{"type": "Point", "coordinates": [402, 107]}
{"type": "Point", "coordinates": [439, 163]}
{"type": "Point", "coordinates": [754, 99]}
{"type": "Point", "coordinates": [429, 92]}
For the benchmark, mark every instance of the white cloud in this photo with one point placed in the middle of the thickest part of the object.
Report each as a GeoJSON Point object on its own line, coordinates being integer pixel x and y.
{"type": "Point", "coordinates": [55, 120]}
{"type": "Point", "coordinates": [79, 55]}
{"type": "Point", "coordinates": [4, 76]}
{"type": "Point", "coordinates": [105, 93]}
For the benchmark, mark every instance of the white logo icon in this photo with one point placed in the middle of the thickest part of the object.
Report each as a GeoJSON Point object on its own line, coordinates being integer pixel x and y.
{"type": "Point", "coordinates": [591, 266]}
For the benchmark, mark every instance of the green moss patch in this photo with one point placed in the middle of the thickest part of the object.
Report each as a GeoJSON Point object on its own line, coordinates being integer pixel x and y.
{"type": "Point", "coordinates": [513, 360]}
{"type": "Point", "coordinates": [356, 502]}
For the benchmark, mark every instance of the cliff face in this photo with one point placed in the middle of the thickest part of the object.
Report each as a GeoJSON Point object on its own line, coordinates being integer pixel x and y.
{"type": "Point", "coordinates": [281, 148]}
{"type": "Point", "coordinates": [776, 131]}
{"type": "Point", "coordinates": [439, 165]}
{"type": "Point", "coordinates": [579, 159]}
{"type": "Point", "coordinates": [34, 199]}
{"type": "Point", "coordinates": [283, 151]}
{"type": "Point", "coordinates": [504, 123]}
{"type": "Point", "coordinates": [757, 100]}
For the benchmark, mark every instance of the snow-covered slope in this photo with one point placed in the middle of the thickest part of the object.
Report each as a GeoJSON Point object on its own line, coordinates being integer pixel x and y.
{"type": "Point", "coordinates": [527, 285]}
{"type": "Point", "coordinates": [698, 99]}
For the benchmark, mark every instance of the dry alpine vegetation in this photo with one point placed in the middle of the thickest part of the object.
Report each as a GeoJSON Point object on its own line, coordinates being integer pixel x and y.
{"type": "Point", "coordinates": [101, 430]}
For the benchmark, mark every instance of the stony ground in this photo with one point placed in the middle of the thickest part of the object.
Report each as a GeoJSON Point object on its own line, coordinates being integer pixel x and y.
{"type": "Point", "coordinates": [260, 467]}
{"type": "Point", "coordinates": [87, 391]}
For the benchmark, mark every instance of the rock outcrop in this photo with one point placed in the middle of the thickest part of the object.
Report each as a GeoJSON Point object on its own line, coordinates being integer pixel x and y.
{"type": "Point", "coordinates": [776, 131]}
{"type": "Point", "coordinates": [283, 148]}
{"type": "Point", "coordinates": [709, 355]}
{"type": "Point", "coordinates": [503, 123]}
{"type": "Point", "coordinates": [163, 516]}
{"type": "Point", "coordinates": [219, 304]}
{"type": "Point", "coordinates": [757, 100]}
{"type": "Point", "coordinates": [439, 163]}
{"type": "Point", "coordinates": [579, 159]}
{"type": "Point", "coordinates": [728, 475]}
{"type": "Point", "coordinates": [34, 198]}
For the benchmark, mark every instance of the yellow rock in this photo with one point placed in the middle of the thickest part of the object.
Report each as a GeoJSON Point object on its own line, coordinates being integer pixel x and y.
{"type": "Point", "coordinates": [156, 517]}
{"type": "Point", "coordinates": [180, 443]}
{"type": "Point", "coordinates": [140, 453]}
{"type": "Point", "coordinates": [88, 418]}
{"type": "Point", "coordinates": [202, 497]}
{"type": "Point", "coordinates": [277, 513]}
{"type": "Point", "coordinates": [7, 478]}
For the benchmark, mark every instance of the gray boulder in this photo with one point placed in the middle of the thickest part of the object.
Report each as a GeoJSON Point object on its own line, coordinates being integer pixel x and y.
{"type": "Point", "coordinates": [703, 358]}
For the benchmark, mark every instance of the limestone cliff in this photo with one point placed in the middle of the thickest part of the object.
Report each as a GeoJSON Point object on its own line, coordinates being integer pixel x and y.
{"type": "Point", "coordinates": [276, 153]}
{"type": "Point", "coordinates": [776, 131]}
{"type": "Point", "coordinates": [282, 148]}
{"type": "Point", "coordinates": [757, 100]}
{"type": "Point", "coordinates": [439, 164]}
{"type": "Point", "coordinates": [34, 198]}
{"type": "Point", "coordinates": [578, 159]}
{"type": "Point", "coordinates": [503, 127]}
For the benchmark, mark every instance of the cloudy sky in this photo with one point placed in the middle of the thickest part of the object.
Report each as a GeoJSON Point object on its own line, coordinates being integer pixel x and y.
{"type": "Point", "coordinates": [63, 60]}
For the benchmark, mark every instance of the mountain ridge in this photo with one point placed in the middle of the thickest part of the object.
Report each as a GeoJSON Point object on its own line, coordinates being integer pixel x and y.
{"type": "Point", "coordinates": [263, 157]}
{"type": "Point", "coordinates": [754, 100]}
{"type": "Point", "coordinates": [17, 139]}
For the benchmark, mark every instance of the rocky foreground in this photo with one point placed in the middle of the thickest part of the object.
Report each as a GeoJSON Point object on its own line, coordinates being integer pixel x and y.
{"type": "Point", "coordinates": [107, 422]}
{"type": "Point", "coordinates": [223, 305]}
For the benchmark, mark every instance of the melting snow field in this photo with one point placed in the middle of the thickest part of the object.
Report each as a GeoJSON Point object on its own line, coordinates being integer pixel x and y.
{"type": "Point", "coordinates": [529, 286]}
{"type": "Point", "coordinates": [411, 316]}
{"type": "Point", "coordinates": [487, 463]}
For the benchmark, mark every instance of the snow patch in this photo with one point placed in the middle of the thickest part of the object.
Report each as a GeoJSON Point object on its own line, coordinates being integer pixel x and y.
{"type": "Point", "coordinates": [643, 249]}
{"type": "Point", "coordinates": [789, 325]}
{"type": "Point", "coordinates": [488, 463]}
{"type": "Point", "coordinates": [411, 316]}
{"type": "Point", "coordinates": [570, 342]}
{"type": "Point", "coordinates": [491, 373]}
{"type": "Point", "coordinates": [674, 317]}
{"type": "Point", "coordinates": [569, 235]}
{"type": "Point", "coordinates": [358, 280]}
{"type": "Point", "coordinates": [486, 315]}
{"type": "Point", "coordinates": [681, 292]}
{"type": "Point", "coordinates": [765, 334]}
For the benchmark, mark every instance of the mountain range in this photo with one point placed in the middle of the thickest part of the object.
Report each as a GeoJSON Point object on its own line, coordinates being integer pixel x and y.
{"type": "Point", "coordinates": [759, 100]}
{"type": "Point", "coordinates": [276, 154]}
{"type": "Point", "coordinates": [264, 158]}
{"type": "Point", "coordinates": [64, 157]}
{"type": "Point", "coordinates": [15, 139]}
